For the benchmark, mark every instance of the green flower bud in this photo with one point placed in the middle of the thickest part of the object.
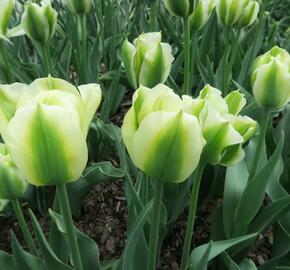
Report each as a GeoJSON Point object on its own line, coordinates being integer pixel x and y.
{"type": "Point", "coordinates": [80, 7]}
{"type": "Point", "coordinates": [202, 13]}
{"type": "Point", "coordinates": [181, 8]}
{"type": "Point", "coordinates": [148, 61]}
{"type": "Point", "coordinates": [271, 79]}
{"type": "Point", "coordinates": [47, 134]}
{"type": "Point", "coordinates": [12, 184]}
{"type": "Point", "coordinates": [229, 11]}
{"type": "Point", "coordinates": [6, 10]}
{"type": "Point", "coordinates": [39, 22]}
{"type": "Point", "coordinates": [162, 140]}
{"type": "Point", "coordinates": [250, 14]}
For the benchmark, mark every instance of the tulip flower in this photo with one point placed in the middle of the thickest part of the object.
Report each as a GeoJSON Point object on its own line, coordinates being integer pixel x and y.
{"type": "Point", "coordinates": [271, 79]}
{"type": "Point", "coordinates": [181, 8]}
{"type": "Point", "coordinates": [229, 11]}
{"type": "Point", "coordinates": [7, 7]}
{"type": "Point", "coordinates": [80, 7]}
{"type": "Point", "coordinates": [147, 61]}
{"type": "Point", "coordinates": [249, 14]}
{"type": "Point", "coordinates": [47, 134]}
{"type": "Point", "coordinates": [12, 183]}
{"type": "Point", "coordinates": [39, 22]}
{"type": "Point", "coordinates": [202, 13]}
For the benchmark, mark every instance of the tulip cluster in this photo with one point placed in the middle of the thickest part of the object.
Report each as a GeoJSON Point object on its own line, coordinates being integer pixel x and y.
{"type": "Point", "coordinates": [242, 12]}
{"type": "Point", "coordinates": [147, 61]}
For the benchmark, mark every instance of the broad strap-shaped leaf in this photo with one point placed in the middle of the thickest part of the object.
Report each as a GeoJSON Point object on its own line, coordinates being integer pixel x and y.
{"type": "Point", "coordinates": [247, 265]}
{"type": "Point", "coordinates": [6, 261]}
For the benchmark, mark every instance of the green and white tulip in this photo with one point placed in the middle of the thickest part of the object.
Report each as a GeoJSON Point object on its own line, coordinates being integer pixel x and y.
{"type": "Point", "coordinates": [250, 14]}
{"type": "Point", "coordinates": [181, 8]}
{"type": "Point", "coordinates": [47, 134]}
{"type": "Point", "coordinates": [162, 140]}
{"type": "Point", "coordinates": [202, 13]}
{"type": "Point", "coordinates": [80, 7]}
{"type": "Point", "coordinates": [6, 10]}
{"type": "Point", "coordinates": [271, 79]}
{"type": "Point", "coordinates": [12, 183]}
{"type": "Point", "coordinates": [39, 22]}
{"type": "Point", "coordinates": [147, 61]}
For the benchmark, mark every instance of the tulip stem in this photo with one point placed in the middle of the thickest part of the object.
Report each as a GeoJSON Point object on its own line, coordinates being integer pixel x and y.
{"type": "Point", "coordinates": [46, 58]}
{"type": "Point", "coordinates": [68, 221]}
{"type": "Point", "coordinates": [191, 215]}
{"type": "Point", "coordinates": [6, 60]}
{"type": "Point", "coordinates": [154, 231]}
{"type": "Point", "coordinates": [23, 226]}
{"type": "Point", "coordinates": [152, 16]}
{"type": "Point", "coordinates": [84, 60]}
{"type": "Point", "coordinates": [186, 53]}
{"type": "Point", "coordinates": [261, 141]}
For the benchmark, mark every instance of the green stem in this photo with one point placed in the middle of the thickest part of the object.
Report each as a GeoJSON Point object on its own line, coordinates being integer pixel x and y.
{"type": "Point", "coordinates": [154, 232]}
{"type": "Point", "coordinates": [192, 57]}
{"type": "Point", "coordinates": [186, 53]}
{"type": "Point", "coordinates": [46, 58]}
{"type": "Point", "coordinates": [191, 215]}
{"type": "Point", "coordinates": [23, 226]}
{"type": "Point", "coordinates": [261, 140]}
{"type": "Point", "coordinates": [84, 58]}
{"type": "Point", "coordinates": [152, 16]}
{"type": "Point", "coordinates": [6, 60]}
{"type": "Point", "coordinates": [67, 217]}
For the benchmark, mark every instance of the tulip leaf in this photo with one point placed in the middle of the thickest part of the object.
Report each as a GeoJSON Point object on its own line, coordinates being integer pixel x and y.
{"type": "Point", "coordinates": [95, 174]}
{"type": "Point", "coordinates": [51, 260]}
{"type": "Point", "coordinates": [247, 265]}
{"type": "Point", "coordinates": [254, 193]}
{"type": "Point", "coordinates": [22, 259]}
{"type": "Point", "coordinates": [6, 261]}
{"type": "Point", "coordinates": [229, 263]}
{"type": "Point", "coordinates": [216, 249]}
{"type": "Point", "coordinates": [88, 248]}
{"type": "Point", "coordinates": [235, 184]}
{"type": "Point", "coordinates": [135, 234]}
{"type": "Point", "coordinates": [110, 265]}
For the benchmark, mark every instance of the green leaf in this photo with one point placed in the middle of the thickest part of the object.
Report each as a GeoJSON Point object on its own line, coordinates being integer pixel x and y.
{"type": "Point", "coordinates": [254, 193]}
{"type": "Point", "coordinates": [6, 261]}
{"type": "Point", "coordinates": [247, 265]}
{"type": "Point", "coordinates": [235, 184]}
{"type": "Point", "coordinates": [217, 248]}
{"type": "Point", "coordinates": [51, 260]}
{"type": "Point", "coordinates": [24, 260]}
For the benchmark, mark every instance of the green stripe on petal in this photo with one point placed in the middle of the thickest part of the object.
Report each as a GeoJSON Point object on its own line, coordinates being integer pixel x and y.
{"type": "Point", "coordinates": [47, 145]}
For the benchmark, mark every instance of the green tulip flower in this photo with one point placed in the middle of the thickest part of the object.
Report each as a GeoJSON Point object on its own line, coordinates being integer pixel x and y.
{"type": "Point", "coordinates": [12, 183]}
{"type": "Point", "coordinates": [80, 7]}
{"type": "Point", "coordinates": [163, 141]}
{"type": "Point", "coordinates": [249, 14]}
{"type": "Point", "coordinates": [271, 79]}
{"type": "Point", "coordinates": [6, 10]}
{"type": "Point", "coordinates": [181, 8]}
{"type": "Point", "coordinates": [39, 22]}
{"type": "Point", "coordinates": [147, 61]}
{"type": "Point", "coordinates": [47, 134]}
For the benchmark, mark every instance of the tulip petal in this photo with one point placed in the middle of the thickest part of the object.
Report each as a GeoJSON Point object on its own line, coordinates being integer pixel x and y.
{"type": "Point", "coordinates": [46, 144]}
{"type": "Point", "coordinates": [167, 146]}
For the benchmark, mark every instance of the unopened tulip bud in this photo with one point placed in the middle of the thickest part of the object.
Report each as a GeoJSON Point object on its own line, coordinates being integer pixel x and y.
{"type": "Point", "coordinates": [6, 10]}
{"type": "Point", "coordinates": [250, 14]}
{"type": "Point", "coordinates": [202, 13]}
{"type": "Point", "coordinates": [163, 142]}
{"type": "Point", "coordinates": [12, 183]}
{"type": "Point", "coordinates": [181, 8]}
{"type": "Point", "coordinates": [39, 22]}
{"type": "Point", "coordinates": [148, 61]}
{"type": "Point", "coordinates": [80, 7]}
{"type": "Point", "coordinates": [271, 79]}
{"type": "Point", "coordinates": [229, 11]}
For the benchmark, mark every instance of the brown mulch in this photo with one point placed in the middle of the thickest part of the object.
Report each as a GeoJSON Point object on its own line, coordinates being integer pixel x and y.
{"type": "Point", "coordinates": [104, 217]}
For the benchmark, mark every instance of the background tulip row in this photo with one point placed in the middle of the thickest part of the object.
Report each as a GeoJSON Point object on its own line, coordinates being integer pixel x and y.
{"type": "Point", "coordinates": [208, 85]}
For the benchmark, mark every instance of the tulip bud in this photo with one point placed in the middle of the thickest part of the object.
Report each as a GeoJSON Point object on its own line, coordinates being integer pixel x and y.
{"type": "Point", "coordinates": [80, 7]}
{"type": "Point", "coordinates": [39, 22]}
{"type": "Point", "coordinates": [12, 184]}
{"type": "Point", "coordinates": [162, 140]}
{"type": "Point", "coordinates": [148, 61]}
{"type": "Point", "coordinates": [181, 8]}
{"type": "Point", "coordinates": [229, 11]}
{"type": "Point", "coordinates": [249, 14]}
{"type": "Point", "coordinates": [47, 134]}
{"type": "Point", "coordinates": [271, 79]}
{"type": "Point", "coordinates": [6, 10]}
{"type": "Point", "coordinates": [202, 13]}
